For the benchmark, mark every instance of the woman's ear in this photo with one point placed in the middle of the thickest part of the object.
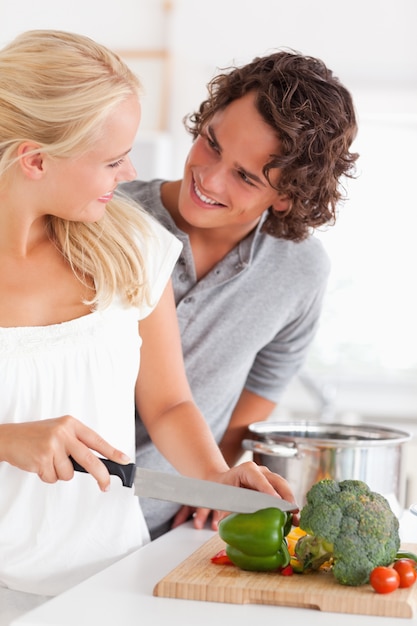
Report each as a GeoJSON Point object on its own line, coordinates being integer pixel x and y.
{"type": "Point", "coordinates": [31, 160]}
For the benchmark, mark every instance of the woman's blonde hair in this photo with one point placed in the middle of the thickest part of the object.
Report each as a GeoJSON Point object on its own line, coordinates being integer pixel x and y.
{"type": "Point", "coordinates": [57, 89]}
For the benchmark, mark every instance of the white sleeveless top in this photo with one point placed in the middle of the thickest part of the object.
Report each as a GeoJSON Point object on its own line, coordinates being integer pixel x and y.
{"type": "Point", "coordinates": [52, 536]}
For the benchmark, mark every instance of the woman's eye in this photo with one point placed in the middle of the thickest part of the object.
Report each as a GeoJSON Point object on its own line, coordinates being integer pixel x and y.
{"type": "Point", "coordinates": [116, 163]}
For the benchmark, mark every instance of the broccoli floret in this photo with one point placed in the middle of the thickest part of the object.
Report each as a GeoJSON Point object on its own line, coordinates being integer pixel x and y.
{"type": "Point", "coordinates": [351, 526]}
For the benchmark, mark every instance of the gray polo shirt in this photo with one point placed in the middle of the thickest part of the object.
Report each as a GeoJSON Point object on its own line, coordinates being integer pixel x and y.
{"type": "Point", "coordinates": [246, 324]}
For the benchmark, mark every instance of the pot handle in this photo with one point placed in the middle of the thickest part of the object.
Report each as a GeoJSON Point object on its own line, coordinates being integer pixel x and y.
{"type": "Point", "coordinates": [271, 449]}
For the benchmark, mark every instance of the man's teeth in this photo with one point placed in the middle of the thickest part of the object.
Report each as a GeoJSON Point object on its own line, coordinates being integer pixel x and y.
{"type": "Point", "coordinates": [203, 197]}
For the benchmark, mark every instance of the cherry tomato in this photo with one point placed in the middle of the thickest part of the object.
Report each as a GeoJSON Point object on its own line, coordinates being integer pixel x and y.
{"type": "Point", "coordinates": [384, 579]}
{"type": "Point", "coordinates": [411, 562]}
{"type": "Point", "coordinates": [406, 572]}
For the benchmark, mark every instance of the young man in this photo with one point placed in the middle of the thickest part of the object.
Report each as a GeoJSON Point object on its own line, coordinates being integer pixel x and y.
{"type": "Point", "coordinates": [271, 144]}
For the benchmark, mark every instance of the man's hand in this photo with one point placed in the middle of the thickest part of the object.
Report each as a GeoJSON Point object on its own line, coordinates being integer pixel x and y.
{"type": "Point", "coordinates": [199, 516]}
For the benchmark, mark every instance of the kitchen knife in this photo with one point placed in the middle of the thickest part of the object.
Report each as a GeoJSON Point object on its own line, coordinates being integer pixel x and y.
{"type": "Point", "coordinates": [192, 491]}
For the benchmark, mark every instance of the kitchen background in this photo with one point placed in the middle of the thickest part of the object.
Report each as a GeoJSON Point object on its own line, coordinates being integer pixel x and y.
{"type": "Point", "coordinates": [363, 364]}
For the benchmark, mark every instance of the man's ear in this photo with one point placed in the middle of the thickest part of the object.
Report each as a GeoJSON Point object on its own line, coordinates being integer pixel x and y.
{"type": "Point", "coordinates": [282, 203]}
{"type": "Point", "coordinates": [31, 160]}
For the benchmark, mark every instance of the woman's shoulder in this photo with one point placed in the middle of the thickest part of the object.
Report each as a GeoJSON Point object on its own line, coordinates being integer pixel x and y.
{"type": "Point", "coordinates": [158, 236]}
{"type": "Point", "coordinates": [147, 227]}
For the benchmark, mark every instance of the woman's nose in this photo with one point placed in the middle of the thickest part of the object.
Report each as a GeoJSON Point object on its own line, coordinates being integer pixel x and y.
{"type": "Point", "coordinates": [128, 172]}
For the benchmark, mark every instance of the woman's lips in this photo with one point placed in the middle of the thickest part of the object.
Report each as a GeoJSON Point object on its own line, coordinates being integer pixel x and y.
{"type": "Point", "coordinates": [107, 197]}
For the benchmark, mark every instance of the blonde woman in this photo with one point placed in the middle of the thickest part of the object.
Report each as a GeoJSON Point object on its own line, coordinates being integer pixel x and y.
{"type": "Point", "coordinates": [84, 290]}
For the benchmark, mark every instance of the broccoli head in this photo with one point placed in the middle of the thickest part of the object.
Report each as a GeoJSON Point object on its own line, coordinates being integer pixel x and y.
{"type": "Point", "coordinates": [351, 526]}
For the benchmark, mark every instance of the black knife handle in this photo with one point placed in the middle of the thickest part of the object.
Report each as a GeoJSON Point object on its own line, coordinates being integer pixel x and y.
{"type": "Point", "coordinates": [125, 472]}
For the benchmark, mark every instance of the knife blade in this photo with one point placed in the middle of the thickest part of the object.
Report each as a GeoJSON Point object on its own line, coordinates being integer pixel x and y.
{"type": "Point", "coordinates": [204, 493]}
{"type": "Point", "coordinates": [191, 491]}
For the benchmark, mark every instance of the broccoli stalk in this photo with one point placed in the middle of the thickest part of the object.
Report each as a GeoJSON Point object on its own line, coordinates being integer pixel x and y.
{"type": "Point", "coordinates": [312, 552]}
{"type": "Point", "coordinates": [349, 525]}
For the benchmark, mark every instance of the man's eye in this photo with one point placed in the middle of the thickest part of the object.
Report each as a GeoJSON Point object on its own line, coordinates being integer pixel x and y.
{"type": "Point", "coordinates": [116, 163]}
{"type": "Point", "coordinates": [213, 145]}
{"type": "Point", "coordinates": [245, 178]}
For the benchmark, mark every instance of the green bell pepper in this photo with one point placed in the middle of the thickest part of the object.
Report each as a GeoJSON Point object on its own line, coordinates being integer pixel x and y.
{"type": "Point", "coordinates": [256, 541]}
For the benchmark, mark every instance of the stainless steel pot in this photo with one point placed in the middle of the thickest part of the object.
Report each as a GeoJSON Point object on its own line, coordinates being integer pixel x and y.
{"type": "Point", "coordinates": [304, 452]}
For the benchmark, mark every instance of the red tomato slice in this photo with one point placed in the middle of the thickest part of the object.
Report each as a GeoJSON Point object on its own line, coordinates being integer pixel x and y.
{"type": "Point", "coordinates": [406, 571]}
{"type": "Point", "coordinates": [384, 579]}
{"type": "Point", "coordinates": [221, 558]}
{"type": "Point", "coordinates": [287, 571]}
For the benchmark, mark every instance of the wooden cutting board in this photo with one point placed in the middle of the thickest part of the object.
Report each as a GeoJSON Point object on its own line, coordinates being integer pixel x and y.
{"type": "Point", "coordinates": [197, 578]}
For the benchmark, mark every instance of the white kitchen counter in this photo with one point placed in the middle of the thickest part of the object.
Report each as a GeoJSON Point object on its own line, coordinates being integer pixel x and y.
{"type": "Point", "coordinates": [122, 594]}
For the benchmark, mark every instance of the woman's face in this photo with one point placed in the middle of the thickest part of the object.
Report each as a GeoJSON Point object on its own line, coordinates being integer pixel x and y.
{"type": "Point", "coordinates": [224, 185]}
{"type": "Point", "coordinates": [78, 188]}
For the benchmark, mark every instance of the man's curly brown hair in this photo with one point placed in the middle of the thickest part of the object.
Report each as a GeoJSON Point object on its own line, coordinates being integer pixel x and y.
{"type": "Point", "coordinates": [313, 116]}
